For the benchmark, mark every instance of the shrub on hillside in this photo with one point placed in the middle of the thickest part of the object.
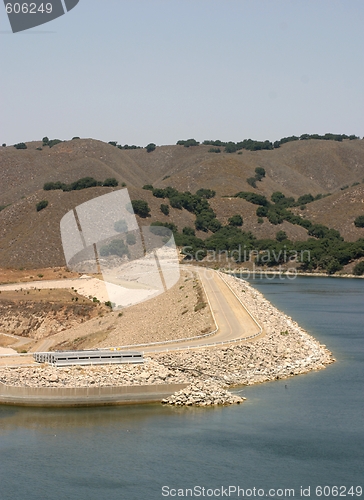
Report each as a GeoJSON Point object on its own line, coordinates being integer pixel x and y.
{"type": "Point", "coordinates": [50, 186]}
{"type": "Point", "coordinates": [20, 145]}
{"type": "Point", "coordinates": [53, 142]}
{"type": "Point", "coordinates": [165, 209]}
{"type": "Point", "coordinates": [168, 225]}
{"type": "Point", "coordinates": [256, 199]}
{"type": "Point", "coordinates": [140, 208]}
{"type": "Point", "coordinates": [110, 182]}
{"type": "Point", "coordinates": [306, 198]}
{"type": "Point", "coordinates": [206, 193]}
{"type": "Point", "coordinates": [150, 147]}
{"type": "Point", "coordinates": [41, 205]}
{"type": "Point", "coordinates": [84, 183]}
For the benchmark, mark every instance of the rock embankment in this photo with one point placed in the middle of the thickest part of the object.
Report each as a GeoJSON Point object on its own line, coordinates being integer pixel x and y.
{"type": "Point", "coordinates": [149, 373]}
{"type": "Point", "coordinates": [285, 350]}
{"type": "Point", "coordinates": [205, 393]}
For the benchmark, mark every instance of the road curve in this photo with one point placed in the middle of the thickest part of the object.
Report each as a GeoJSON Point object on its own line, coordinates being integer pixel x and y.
{"type": "Point", "coordinates": [234, 322]}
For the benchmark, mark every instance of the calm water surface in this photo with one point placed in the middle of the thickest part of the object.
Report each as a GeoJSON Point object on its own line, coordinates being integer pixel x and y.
{"type": "Point", "coordinates": [304, 431]}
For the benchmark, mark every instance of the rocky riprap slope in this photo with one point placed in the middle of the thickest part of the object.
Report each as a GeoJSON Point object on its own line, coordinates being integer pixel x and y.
{"type": "Point", "coordinates": [203, 393]}
{"type": "Point", "coordinates": [149, 373]}
{"type": "Point", "coordinates": [284, 351]}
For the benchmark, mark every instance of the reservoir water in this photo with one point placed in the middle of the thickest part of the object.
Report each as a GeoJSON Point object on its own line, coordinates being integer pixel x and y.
{"type": "Point", "coordinates": [306, 431]}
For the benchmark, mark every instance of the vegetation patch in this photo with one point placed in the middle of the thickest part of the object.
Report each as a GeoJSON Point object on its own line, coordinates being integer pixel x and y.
{"type": "Point", "coordinates": [84, 183]}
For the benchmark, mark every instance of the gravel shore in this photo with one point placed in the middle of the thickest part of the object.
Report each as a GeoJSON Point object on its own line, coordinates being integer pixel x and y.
{"type": "Point", "coordinates": [285, 350]}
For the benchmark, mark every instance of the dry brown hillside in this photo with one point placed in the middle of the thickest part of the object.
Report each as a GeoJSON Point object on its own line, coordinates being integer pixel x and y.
{"type": "Point", "coordinates": [32, 239]}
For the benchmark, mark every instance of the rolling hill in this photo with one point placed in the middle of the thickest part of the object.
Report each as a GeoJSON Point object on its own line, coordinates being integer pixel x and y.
{"type": "Point", "coordinates": [31, 239]}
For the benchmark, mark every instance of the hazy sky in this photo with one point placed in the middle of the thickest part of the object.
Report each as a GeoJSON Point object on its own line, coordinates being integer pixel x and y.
{"type": "Point", "coordinates": [141, 71]}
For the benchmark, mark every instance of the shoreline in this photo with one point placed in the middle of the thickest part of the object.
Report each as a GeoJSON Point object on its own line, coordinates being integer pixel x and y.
{"type": "Point", "coordinates": [284, 351]}
{"type": "Point", "coordinates": [288, 274]}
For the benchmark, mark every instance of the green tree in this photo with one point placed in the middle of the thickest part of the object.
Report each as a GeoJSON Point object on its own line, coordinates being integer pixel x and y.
{"type": "Point", "coordinates": [235, 220]}
{"type": "Point", "coordinates": [259, 173]}
{"type": "Point", "coordinates": [262, 211]}
{"type": "Point", "coordinates": [110, 182]}
{"type": "Point", "coordinates": [214, 225]}
{"type": "Point", "coordinates": [188, 143]}
{"type": "Point", "coordinates": [359, 221]}
{"type": "Point", "coordinates": [231, 147]}
{"type": "Point", "coordinates": [304, 199]}
{"type": "Point", "coordinates": [20, 145]}
{"type": "Point", "coordinates": [150, 147]}
{"type": "Point", "coordinates": [277, 196]}
{"type": "Point", "coordinates": [188, 231]}
{"type": "Point", "coordinates": [140, 208]}
{"type": "Point", "coordinates": [359, 268]}
{"type": "Point", "coordinates": [159, 193]}
{"type": "Point", "coordinates": [274, 217]}
{"type": "Point", "coordinates": [45, 141]}
{"type": "Point", "coordinates": [333, 266]}
{"type": "Point", "coordinates": [281, 236]}
{"type": "Point", "coordinates": [175, 202]}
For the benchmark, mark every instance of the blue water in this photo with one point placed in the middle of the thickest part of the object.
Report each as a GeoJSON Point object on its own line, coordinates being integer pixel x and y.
{"type": "Point", "coordinates": [304, 431]}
